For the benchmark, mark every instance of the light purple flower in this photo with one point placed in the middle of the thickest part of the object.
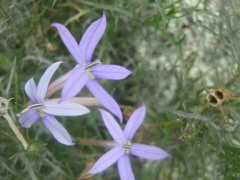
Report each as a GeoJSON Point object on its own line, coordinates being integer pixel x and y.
{"type": "Point", "coordinates": [45, 109]}
{"type": "Point", "coordinates": [87, 70]}
{"type": "Point", "coordinates": [123, 145]}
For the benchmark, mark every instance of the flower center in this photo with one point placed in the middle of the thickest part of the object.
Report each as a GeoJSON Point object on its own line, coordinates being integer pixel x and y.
{"type": "Point", "coordinates": [42, 113]}
{"type": "Point", "coordinates": [127, 147]}
{"type": "Point", "coordinates": [92, 64]}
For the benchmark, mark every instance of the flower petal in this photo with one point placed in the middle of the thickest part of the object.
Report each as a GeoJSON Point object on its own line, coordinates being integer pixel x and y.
{"type": "Point", "coordinates": [134, 122]}
{"type": "Point", "coordinates": [92, 36]}
{"type": "Point", "coordinates": [113, 72]}
{"type": "Point", "coordinates": [44, 81]}
{"type": "Point", "coordinates": [125, 168]}
{"type": "Point", "coordinates": [148, 152]}
{"type": "Point", "coordinates": [75, 82]}
{"type": "Point", "coordinates": [104, 98]}
{"type": "Point", "coordinates": [106, 160]}
{"type": "Point", "coordinates": [113, 127]}
{"type": "Point", "coordinates": [57, 130]}
{"type": "Point", "coordinates": [29, 117]}
{"type": "Point", "coordinates": [65, 108]}
{"type": "Point", "coordinates": [70, 43]}
{"type": "Point", "coordinates": [59, 82]}
{"type": "Point", "coordinates": [31, 90]}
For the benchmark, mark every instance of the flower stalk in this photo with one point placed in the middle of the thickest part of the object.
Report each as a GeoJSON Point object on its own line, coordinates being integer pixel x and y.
{"type": "Point", "coordinates": [85, 101]}
{"type": "Point", "coordinates": [99, 143]}
{"type": "Point", "coordinates": [4, 112]}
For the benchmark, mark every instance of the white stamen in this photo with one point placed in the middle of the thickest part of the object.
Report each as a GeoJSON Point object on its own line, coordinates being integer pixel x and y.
{"type": "Point", "coordinates": [92, 64]}
{"type": "Point", "coordinates": [33, 106]}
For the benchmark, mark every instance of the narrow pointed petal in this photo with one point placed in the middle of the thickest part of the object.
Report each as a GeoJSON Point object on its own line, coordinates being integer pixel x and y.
{"type": "Point", "coordinates": [57, 130]}
{"type": "Point", "coordinates": [135, 122]}
{"type": "Point", "coordinates": [70, 43]}
{"type": "Point", "coordinates": [28, 118]}
{"type": "Point", "coordinates": [44, 81]}
{"type": "Point", "coordinates": [107, 160]}
{"type": "Point", "coordinates": [76, 81]}
{"type": "Point", "coordinates": [125, 168]}
{"type": "Point", "coordinates": [92, 36]}
{"type": "Point", "coordinates": [113, 72]}
{"type": "Point", "coordinates": [64, 108]}
{"type": "Point", "coordinates": [31, 90]}
{"type": "Point", "coordinates": [113, 127]}
{"type": "Point", "coordinates": [148, 152]}
{"type": "Point", "coordinates": [104, 98]}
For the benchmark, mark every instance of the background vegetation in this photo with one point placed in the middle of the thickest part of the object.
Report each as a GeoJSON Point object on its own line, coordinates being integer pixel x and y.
{"type": "Point", "coordinates": [177, 50]}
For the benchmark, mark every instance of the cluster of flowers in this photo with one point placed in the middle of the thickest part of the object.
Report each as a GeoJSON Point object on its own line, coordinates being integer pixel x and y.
{"type": "Point", "coordinates": [85, 73]}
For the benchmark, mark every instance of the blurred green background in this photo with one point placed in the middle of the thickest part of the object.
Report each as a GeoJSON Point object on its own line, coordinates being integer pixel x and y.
{"type": "Point", "coordinates": [178, 51]}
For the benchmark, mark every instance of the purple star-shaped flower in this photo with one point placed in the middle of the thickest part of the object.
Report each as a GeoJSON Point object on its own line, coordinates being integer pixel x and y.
{"type": "Point", "coordinates": [124, 147]}
{"type": "Point", "coordinates": [86, 71]}
{"type": "Point", "coordinates": [47, 108]}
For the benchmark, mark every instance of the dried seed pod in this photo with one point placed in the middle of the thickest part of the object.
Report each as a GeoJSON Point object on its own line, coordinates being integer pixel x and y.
{"type": "Point", "coordinates": [212, 99]}
{"type": "Point", "coordinates": [219, 94]}
{"type": "Point", "coordinates": [217, 97]}
{"type": "Point", "coordinates": [3, 106]}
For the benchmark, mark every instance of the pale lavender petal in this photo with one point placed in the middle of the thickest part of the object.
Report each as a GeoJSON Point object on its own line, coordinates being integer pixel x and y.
{"type": "Point", "coordinates": [107, 160]}
{"type": "Point", "coordinates": [44, 81]}
{"type": "Point", "coordinates": [125, 168]}
{"type": "Point", "coordinates": [104, 98]}
{"type": "Point", "coordinates": [75, 82]}
{"type": "Point", "coordinates": [57, 130]}
{"type": "Point", "coordinates": [92, 36]}
{"type": "Point", "coordinates": [148, 152]}
{"type": "Point", "coordinates": [113, 72]}
{"type": "Point", "coordinates": [65, 108]}
{"type": "Point", "coordinates": [70, 43]}
{"type": "Point", "coordinates": [135, 122]}
{"type": "Point", "coordinates": [31, 90]}
{"type": "Point", "coordinates": [28, 118]}
{"type": "Point", "coordinates": [113, 127]}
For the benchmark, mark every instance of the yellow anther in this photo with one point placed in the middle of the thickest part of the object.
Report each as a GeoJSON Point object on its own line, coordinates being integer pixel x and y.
{"type": "Point", "coordinates": [127, 147]}
{"type": "Point", "coordinates": [90, 74]}
{"type": "Point", "coordinates": [42, 113]}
